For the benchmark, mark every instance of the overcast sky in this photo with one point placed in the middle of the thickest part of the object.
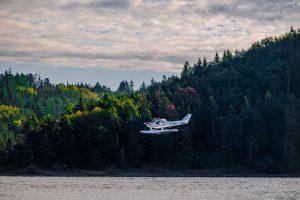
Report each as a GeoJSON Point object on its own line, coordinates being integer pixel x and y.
{"type": "Point", "coordinates": [111, 40]}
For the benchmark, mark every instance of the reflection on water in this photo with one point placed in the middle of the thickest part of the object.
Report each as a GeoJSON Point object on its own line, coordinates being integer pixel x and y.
{"type": "Point", "coordinates": [44, 188]}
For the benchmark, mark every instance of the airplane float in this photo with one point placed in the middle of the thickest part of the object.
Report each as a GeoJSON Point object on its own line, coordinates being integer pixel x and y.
{"type": "Point", "coordinates": [158, 126]}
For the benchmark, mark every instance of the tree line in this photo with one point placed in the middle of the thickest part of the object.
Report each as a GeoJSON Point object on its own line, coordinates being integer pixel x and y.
{"type": "Point", "coordinates": [245, 107]}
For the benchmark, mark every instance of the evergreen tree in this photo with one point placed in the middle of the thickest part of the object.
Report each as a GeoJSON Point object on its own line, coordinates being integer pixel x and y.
{"type": "Point", "coordinates": [217, 58]}
{"type": "Point", "coordinates": [187, 69]}
{"type": "Point", "coordinates": [198, 68]}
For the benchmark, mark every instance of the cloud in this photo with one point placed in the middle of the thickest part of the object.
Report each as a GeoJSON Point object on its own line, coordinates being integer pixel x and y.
{"type": "Point", "coordinates": [98, 4]}
{"type": "Point", "coordinates": [119, 4]}
{"type": "Point", "coordinates": [157, 35]}
{"type": "Point", "coordinates": [260, 11]}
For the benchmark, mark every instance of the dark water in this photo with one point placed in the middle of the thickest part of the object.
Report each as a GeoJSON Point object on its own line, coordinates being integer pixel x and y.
{"type": "Point", "coordinates": [43, 188]}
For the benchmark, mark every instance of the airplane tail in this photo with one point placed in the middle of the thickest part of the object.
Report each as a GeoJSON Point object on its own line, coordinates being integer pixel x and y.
{"type": "Point", "coordinates": [187, 118]}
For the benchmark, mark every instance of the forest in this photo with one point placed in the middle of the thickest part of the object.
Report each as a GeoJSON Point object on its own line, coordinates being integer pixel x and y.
{"type": "Point", "coordinates": [245, 106]}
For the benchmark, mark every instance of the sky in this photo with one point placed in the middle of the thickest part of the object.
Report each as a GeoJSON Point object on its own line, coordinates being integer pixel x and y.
{"type": "Point", "coordinates": [113, 40]}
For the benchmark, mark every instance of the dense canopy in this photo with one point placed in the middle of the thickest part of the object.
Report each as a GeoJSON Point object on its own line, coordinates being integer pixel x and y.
{"type": "Point", "coordinates": [245, 106]}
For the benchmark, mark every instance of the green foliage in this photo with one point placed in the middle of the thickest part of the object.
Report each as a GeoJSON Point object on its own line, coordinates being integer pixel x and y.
{"type": "Point", "coordinates": [7, 139]}
{"type": "Point", "coordinates": [245, 108]}
{"type": "Point", "coordinates": [187, 69]}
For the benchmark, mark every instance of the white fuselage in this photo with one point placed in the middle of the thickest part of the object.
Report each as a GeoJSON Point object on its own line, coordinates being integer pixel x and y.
{"type": "Point", "coordinates": [157, 125]}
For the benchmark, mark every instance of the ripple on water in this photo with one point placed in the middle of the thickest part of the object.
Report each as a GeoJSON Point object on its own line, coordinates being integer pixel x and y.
{"type": "Point", "coordinates": [46, 188]}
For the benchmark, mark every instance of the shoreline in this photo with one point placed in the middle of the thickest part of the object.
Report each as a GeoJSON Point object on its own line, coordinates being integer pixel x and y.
{"type": "Point", "coordinates": [149, 172]}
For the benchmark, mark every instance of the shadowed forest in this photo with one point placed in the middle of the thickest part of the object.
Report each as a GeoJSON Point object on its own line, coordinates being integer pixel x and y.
{"type": "Point", "coordinates": [245, 106]}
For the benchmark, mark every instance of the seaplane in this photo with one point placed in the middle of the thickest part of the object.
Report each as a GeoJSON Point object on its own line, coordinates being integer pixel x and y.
{"type": "Point", "coordinates": [159, 126]}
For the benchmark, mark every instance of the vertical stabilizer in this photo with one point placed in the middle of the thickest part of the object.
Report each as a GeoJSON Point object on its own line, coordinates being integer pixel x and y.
{"type": "Point", "coordinates": [187, 118]}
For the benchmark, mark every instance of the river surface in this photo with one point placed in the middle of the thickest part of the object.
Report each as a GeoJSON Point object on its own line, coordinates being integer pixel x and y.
{"type": "Point", "coordinates": [147, 188]}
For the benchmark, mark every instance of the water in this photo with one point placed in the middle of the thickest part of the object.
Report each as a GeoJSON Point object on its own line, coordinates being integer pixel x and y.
{"type": "Point", "coordinates": [44, 188]}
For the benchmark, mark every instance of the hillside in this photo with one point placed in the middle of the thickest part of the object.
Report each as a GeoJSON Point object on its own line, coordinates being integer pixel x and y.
{"type": "Point", "coordinates": [245, 106]}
